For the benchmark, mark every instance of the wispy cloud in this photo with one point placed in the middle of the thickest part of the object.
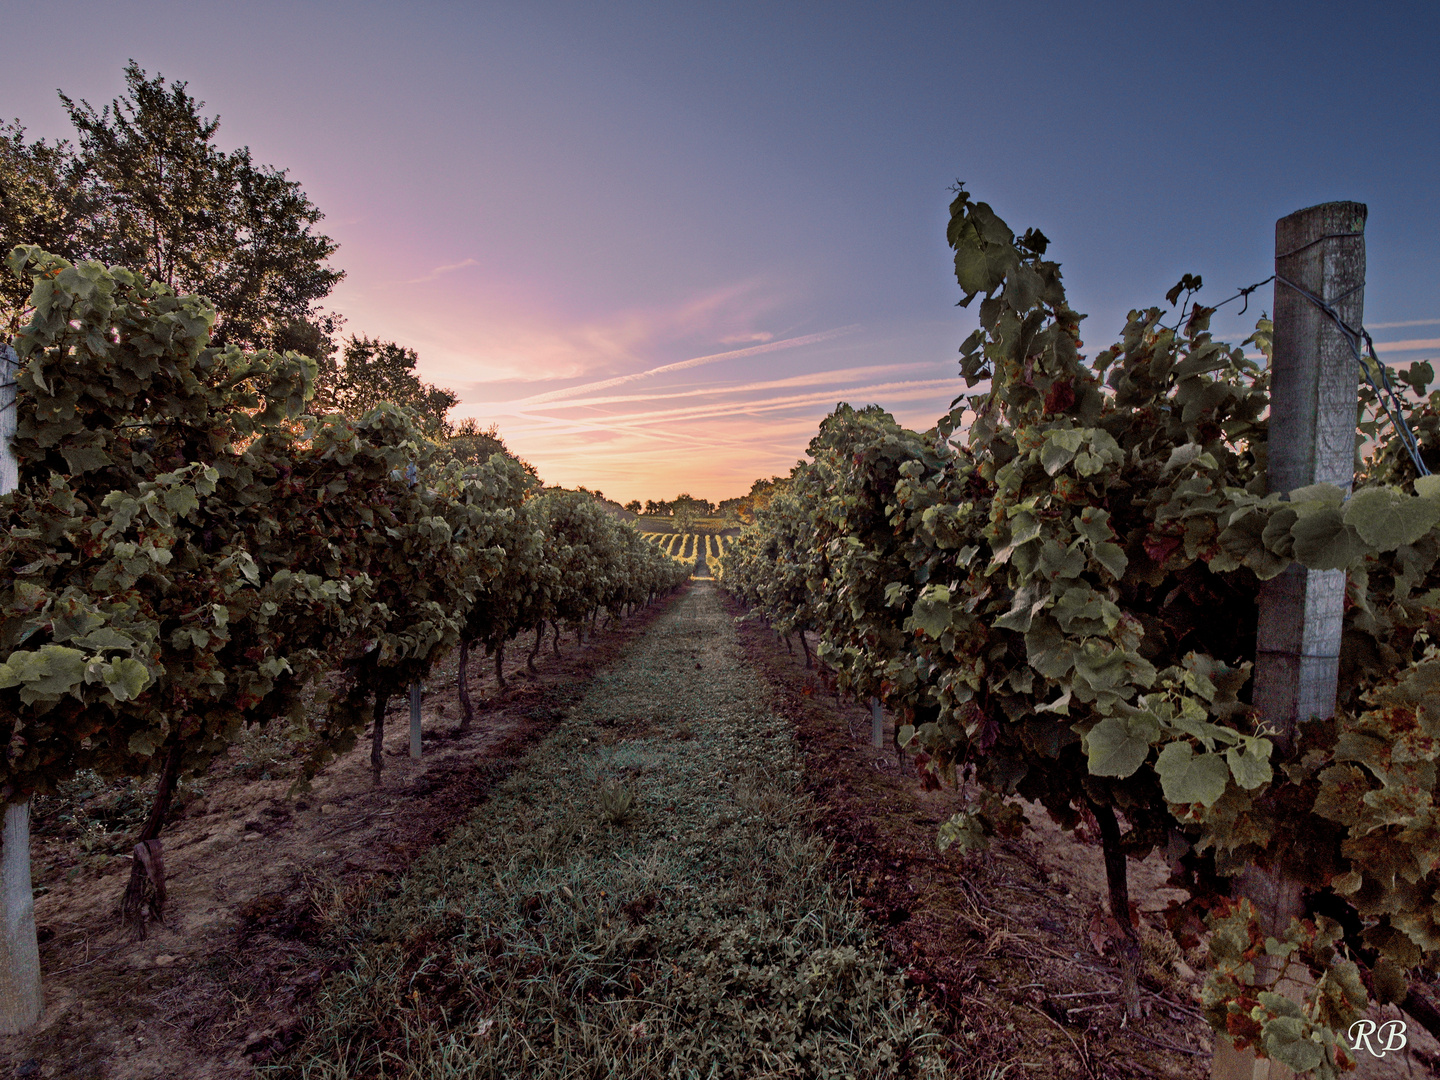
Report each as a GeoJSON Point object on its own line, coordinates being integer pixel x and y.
{"type": "Point", "coordinates": [1397, 325]}
{"type": "Point", "coordinates": [441, 270]}
{"type": "Point", "coordinates": [882, 393]}
{"type": "Point", "coordinates": [1407, 346]}
{"type": "Point", "coordinates": [682, 365]}
{"type": "Point", "coordinates": [814, 378]}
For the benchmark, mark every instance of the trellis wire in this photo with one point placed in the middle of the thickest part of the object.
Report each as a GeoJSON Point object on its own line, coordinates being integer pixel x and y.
{"type": "Point", "coordinates": [1384, 389]}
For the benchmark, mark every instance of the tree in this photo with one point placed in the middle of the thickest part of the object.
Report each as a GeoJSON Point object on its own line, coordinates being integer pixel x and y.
{"type": "Point", "coordinates": [747, 506]}
{"type": "Point", "coordinates": [37, 206]}
{"type": "Point", "coordinates": [633, 506]}
{"type": "Point", "coordinates": [370, 372]}
{"type": "Point", "coordinates": [470, 445]}
{"type": "Point", "coordinates": [153, 193]}
{"type": "Point", "coordinates": [687, 508]}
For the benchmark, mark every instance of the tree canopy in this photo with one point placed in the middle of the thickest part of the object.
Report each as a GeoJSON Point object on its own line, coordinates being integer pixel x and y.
{"type": "Point", "coordinates": [145, 187]}
{"type": "Point", "coordinates": [368, 372]}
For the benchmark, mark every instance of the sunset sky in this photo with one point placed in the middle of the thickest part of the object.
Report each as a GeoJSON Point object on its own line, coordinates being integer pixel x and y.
{"type": "Point", "coordinates": [656, 243]}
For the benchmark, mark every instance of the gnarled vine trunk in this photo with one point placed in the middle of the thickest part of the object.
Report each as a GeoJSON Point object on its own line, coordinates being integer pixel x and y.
{"type": "Point", "coordinates": [462, 687]}
{"type": "Point", "coordinates": [377, 741]}
{"type": "Point", "coordinates": [539, 640]}
{"type": "Point", "coordinates": [1117, 878]}
{"type": "Point", "coordinates": [148, 865]}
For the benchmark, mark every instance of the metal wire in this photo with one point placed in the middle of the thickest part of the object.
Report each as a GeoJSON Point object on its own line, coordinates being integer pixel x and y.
{"type": "Point", "coordinates": [1245, 292]}
{"type": "Point", "coordinates": [1384, 390]}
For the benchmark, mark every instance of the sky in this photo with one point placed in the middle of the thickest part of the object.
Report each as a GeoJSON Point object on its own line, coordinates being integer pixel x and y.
{"type": "Point", "coordinates": [656, 243]}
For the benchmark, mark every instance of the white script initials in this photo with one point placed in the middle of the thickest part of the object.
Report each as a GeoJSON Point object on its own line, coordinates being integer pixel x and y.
{"type": "Point", "coordinates": [1392, 1031]}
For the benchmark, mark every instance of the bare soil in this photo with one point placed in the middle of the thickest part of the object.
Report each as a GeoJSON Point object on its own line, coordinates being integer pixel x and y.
{"type": "Point", "coordinates": [255, 878]}
{"type": "Point", "coordinates": [1013, 946]}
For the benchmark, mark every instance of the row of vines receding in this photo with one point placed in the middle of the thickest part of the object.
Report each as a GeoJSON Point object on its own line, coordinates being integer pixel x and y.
{"type": "Point", "coordinates": [1055, 589]}
{"type": "Point", "coordinates": [188, 551]}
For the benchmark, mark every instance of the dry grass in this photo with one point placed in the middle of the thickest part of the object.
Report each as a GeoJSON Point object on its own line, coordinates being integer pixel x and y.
{"type": "Point", "coordinates": [703, 938]}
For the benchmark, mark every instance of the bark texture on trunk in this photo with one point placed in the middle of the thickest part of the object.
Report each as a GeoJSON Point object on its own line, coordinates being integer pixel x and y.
{"type": "Point", "coordinates": [1117, 878]}
{"type": "Point", "coordinates": [539, 640]}
{"type": "Point", "coordinates": [500, 664]}
{"type": "Point", "coordinates": [377, 741]}
{"type": "Point", "coordinates": [147, 867]}
{"type": "Point", "coordinates": [462, 687]}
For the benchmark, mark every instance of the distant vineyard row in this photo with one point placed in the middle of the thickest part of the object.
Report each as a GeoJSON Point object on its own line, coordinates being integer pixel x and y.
{"type": "Point", "coordinates": [690, 545]}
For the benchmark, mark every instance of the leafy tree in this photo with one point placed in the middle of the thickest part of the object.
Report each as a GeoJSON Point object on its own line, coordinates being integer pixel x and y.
{"type": "Point", "coordinates": [633, 506]}
{"type": "Point", "coordinates": [37, 206]}
{"type": "Point", "coordinates": [471, 445]}
{"type": "Point", "coordinates": [140, 631]}
{"type": "Point", "coordinates": [153, 192]}
{"type": "Point", "coordinates": [687, 508]}
{"type": "Point", "coordinates": [370, 372]}
{"type": "Point", "coordinates": [747, 506]}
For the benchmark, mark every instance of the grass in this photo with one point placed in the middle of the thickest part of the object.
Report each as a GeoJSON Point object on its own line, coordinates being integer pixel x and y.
{"type": "Point", "coordinates": [695, 934]}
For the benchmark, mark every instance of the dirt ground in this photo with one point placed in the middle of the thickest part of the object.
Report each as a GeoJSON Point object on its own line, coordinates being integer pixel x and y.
{"type": "Point", "coordinates": [254, 877]}
{"type": "Point", "coordinates": [1012, 944]}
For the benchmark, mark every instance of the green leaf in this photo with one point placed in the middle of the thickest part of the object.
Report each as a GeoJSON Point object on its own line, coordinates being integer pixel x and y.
{"type": "Point", "coordinates": [1323, 541]}
{"type": "Point", "coordinates": [1119, 745]}
{"type": "Point", "coordinates": [1250, 762]}
{"type": "Point", "coordinates": [1386, 519]}
{"type": "Point", "coordinates": [1392, 985]}
{"type": "Point", "coordinates": [1023, 528]}
{"type": "Point", "coordinates": [1181, 456]}
{"type": "Point", "coordinates": [1059, 449]}
{"type": "Point", "coordinates": [1287, 1040]}
{"type": "Point", "coordinates": [1187, 777]}
{"type": "Point", "coordinates": [1428, 487]}
{"type": "Point", "coordinates": [127, 679]}
{"type": "Point", "coordinates": [932, 610]}
{"type": "Point", "coordinates": [181, 501]}
{"type": "Point", "coordinates": [965, 829]}
{"type": "Point", "coordinates": [1328, 494]}
{"type": "Point", "coordinates": [1048, 650]}
{"type": "Point", "coordinates": [83, 459]}
{"type": "Point", "coordinates": [1112, 557]}
{"type": "Point", "coordinates": [146, 741]}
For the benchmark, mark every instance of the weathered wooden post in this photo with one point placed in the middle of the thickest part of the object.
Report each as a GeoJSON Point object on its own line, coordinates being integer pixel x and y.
{"type": "Point", "coordinates": [20, 999]}
{"type": "Point", "coordinates": [415, 720]}
{"type": "Point", "coordinates": [1313, 391]}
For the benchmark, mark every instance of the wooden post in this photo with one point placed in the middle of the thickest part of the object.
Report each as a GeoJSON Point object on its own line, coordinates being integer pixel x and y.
{"type": "Point", "coordinates": [877, 723]}
{"type": "Point", "coordinates": [1314, 384]}
{"type": "Point", "coordinates": [415, 720]}
{"type": "Point", "coordinates": [20, 1000]}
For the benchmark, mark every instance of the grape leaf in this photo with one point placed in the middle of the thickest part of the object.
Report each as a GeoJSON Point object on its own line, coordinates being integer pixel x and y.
{"type": "Point", "coordinates": [1119, 745]}
{"type": "Point", "coordinates": [1187, 777]}
{"type": "Point", "coordinates": [1385, 519]}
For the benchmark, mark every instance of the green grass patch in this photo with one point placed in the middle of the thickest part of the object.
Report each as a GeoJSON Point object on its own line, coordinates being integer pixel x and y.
{"type": "Point", "coordinates": [642, 898]}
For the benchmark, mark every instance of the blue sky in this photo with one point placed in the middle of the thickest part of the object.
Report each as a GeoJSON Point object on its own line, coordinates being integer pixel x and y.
{"type": "Point", "coordinates": [541, 197]}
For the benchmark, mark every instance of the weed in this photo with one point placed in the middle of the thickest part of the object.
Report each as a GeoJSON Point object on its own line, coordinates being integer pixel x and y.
{"type": "Point", "coordinates": [617, 800]}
